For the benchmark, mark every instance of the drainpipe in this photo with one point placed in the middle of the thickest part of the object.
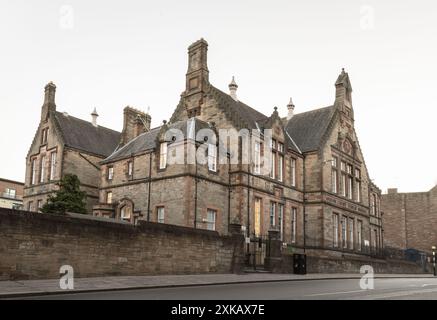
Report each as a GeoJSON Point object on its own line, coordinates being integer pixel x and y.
{"type": "Point", "coordinates": [229, 190]}
{"type": "Point", "coordinates": [195, 197]}
{"type": "Point", "coordinates": [150, 186]}
{"type": "Point", "coordinates": [304, 205]}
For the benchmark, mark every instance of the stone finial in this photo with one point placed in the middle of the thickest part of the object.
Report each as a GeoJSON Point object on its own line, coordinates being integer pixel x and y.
{"type": "Point", "coordinates": [290, 107]}
{"type": "Point", "coordinates": [94, 116]}
{"type": "Point", "coordinates": [233, 89]}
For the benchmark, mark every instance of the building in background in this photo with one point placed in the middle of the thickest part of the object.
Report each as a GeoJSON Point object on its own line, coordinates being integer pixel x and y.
{"type": "Point", "coordinates": [11, 194]}
{"type": "Point", "coordinates": [410, 219]}
{"type": "Point", "coordinates": [64, 145]}
{"type": "Point", "coordinates": [317, 195]}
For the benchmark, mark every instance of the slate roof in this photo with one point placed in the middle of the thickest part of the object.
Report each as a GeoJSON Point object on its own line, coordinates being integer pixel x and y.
{"type": "Point", "coordinates": [148, 140]}
{"type": "Point", "coordinates": [82, 135]}
{"type": "Point", "coordinates": [307, 128]}
{"type": "Point", "coordinates": [244, 113]}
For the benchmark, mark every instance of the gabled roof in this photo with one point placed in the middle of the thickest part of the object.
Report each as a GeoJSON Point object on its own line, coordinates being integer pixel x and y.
{"type": "Point", "coordinates": [82, 135]}
{"type": "Point", "coordinates": [148, 140]}
{"type": "Point", "coordinates": [237, 110]}
{"type": "Point", "coordinates": [308, 128]}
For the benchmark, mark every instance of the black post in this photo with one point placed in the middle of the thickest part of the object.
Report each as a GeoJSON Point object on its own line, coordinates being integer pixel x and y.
{"type": "Point", "coordinates": [433, 260]}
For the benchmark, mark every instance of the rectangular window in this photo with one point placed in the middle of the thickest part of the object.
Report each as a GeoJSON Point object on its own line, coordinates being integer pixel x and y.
{"type": "Point", "coordinates": [273, 145]}
{"type": "Point", "coordinates": [125, 213]}
{"type": "Point", "coordinates": [109, 197]}
{"type": "Point", "coordinates": [30, 206]}
{"type": "Point", "coordinates": [351, 233]}
{"type": "Point", "coordinates": [350, 186]}
{"type": "Point", "coordinates": [161, 215]}
{"type": "Point", "coordinates": [281, 220]}
{"type": "Point", "coordinates": [334, 180]}
{"type": "Point", "coordinates": [349, 169]}
{"type": "Point", "coordinates": [130, 168]}
{"type": "Point", "coordinates": [334, 162]}
{"type": "Point", "coordinates": [39, 204]}
{"type": "Point", "coordinates": [257, 217]}
{"type": "Point", "coordinates": [212, 157]}
{"type": "Point", "coordinates": [281, 168]}
{"type": "Point", "coordinates": [272, 213]}
{"type": "Point", "coordinates": [358, 187]}
{"type": "Point", "coordinates": [43, 169]}
{"type": "Point", "coordinates": [53, 165]}
{"type": "Point", "coordinates": [33, 178]}
{"type": "Point", "coordinates": [110, 173]}
{"type": "Point", "coordinates": [273, 167]}
{"type": "Point", "coordinates": [343, 185]}
{"type": "Point", "coordinates": [293, 224]}
{"type": "Point", "coordinates": [257, 160]}
{"type": "Point", "coordinates": [335, 229]}
{"type": "Point", "coordinates": [293, 172]}
{"type": "Point", "coordinates": [280, 147]}
{"type": "Point", "coordinates": [211, 219]}
{"type": "Point", "coordinates": [359, 234]}
{"type": "Point", "coordinates": [344, 232]}
{"type": "Point", "coordinates": [357, 173]}
{"type": "Point", "coordinates": [10, 193]}
{"type": "Point", "coordinates": [374, 205]}
{"type": "Point", "coordinates": [343, 166]}
{"type": "Point", "coordinates": [163, 156]}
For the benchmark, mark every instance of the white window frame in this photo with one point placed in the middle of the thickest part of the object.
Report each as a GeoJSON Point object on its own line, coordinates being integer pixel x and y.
{"type": "Point", "coordinates": [110, 173]}
{"type": "Point", "coordinates": [33, 170]}
{"type": "Point", "coordinates": [344, 232]}
{"type": "Point", "coordinates": [359, 234]}
{"type": "Point", "coordinates": [273, 167]}
{"type": "Point", "coordinates": [350, 187]}
{"type": "Point", "coordinates": [130, 168]}
{"type": "Point", "coordinates": [272, 214]}
{"type": "Point", "coordinates": [258, 214]}
{"type": "Point", "coordinates": [281, 220]}
{"type": "Point", "coordinates": [163, 149]}
{"type": "Point", "coordinates": [109, 197]}
{"type": "Point", "coordinates": [160, 214]}
{"type": "Point", "coordinates": [53, 163]}
{"type": "Point", "coordinates": [334, 180]}
{"type": "Point", "coordinates": [351, 233]}
{"type": "Point", "coordinates": [335, 229]}
{"type": "Point", "coordinates": [280, 167]}
{"type": "Point", "coordinates": [293, 224]}
{"type": "Point", "coordinates": [293, 172]}
{"type": "Point", "coordinates": [43, 169]}
{"type": "Point", "coordinates": [211, 219]}
{"type": "Point", "coordinates": [257, 160]}
{"type": "Point", "coordinates": [212, 157]}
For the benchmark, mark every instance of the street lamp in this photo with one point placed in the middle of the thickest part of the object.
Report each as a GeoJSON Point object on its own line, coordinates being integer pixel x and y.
{"type": "Point", "coordinates": [433, 259]}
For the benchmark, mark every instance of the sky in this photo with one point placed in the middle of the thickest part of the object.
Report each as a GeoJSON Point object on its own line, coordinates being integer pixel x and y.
{"type": "Point", "coordinates": [110, 54]}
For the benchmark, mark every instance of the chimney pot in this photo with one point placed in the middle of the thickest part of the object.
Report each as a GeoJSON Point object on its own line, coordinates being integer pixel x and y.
{"type": "Point", "coordinates": [290, 108]}
{"type": "Point", "coordinates": [94, 116]}
{"type": "Point", "coordinates": [233, 89]}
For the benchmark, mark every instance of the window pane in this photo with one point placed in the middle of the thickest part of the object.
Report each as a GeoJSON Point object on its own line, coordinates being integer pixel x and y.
{"type": "Point", "coordinates": [293, 172]}
{"type": "Point", "coordinates": [211, 219]}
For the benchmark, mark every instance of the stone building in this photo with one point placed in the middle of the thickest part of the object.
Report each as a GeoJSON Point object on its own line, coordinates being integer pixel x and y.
{"type": "Point", "coordinates": [63, 145]}
{"type": "Point", "coordinates": [11, 194]}
{"type": "Point", "coordinates": [410, 219]}
{"type": "Point", "coordinates": [317, 169]}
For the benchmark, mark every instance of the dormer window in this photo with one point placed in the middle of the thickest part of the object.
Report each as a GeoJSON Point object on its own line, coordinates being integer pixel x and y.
{"type": "Point", "coordinates": [110, 173]}
{"type": "Point", "coordinates": [130, 168]}
{"type": "Point", "coordinates": [163, 156]}
{"type": "Point", "coordinates": [212, 157]}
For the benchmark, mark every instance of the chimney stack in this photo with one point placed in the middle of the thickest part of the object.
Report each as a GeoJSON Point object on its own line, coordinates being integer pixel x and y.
{"type": "Point", "coordinates": [233, 89]}
{"type": "Point", "coordinates": [49, 100]}
{"type": "Point", "coordinates": [135, 122]}
{"type": "Point", "coordinates": [94, 116]}
{"type": "Point", "coordinates": [290, 108]}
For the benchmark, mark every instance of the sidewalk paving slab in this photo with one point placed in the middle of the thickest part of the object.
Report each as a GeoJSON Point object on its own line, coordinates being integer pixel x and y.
{"type": "Point", "coordinates": [10, 289]}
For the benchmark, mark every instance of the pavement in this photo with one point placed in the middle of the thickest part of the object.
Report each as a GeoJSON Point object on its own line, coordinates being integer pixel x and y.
{"type": "Point", "coordinates": [51, 287]}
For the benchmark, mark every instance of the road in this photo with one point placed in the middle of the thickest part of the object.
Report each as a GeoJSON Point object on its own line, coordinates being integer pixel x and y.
{"type": "Point", "coordinates": [406, 288]}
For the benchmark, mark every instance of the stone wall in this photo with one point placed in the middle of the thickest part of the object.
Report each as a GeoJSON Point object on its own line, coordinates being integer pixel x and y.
{"type": "Point", "coordinates": [410, 219]}
{"type": "Point", "coordinates": [35, 246]}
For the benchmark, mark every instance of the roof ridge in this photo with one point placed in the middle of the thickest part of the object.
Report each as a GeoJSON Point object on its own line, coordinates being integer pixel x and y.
{"type": "Point", "coordinates": [88, 122]}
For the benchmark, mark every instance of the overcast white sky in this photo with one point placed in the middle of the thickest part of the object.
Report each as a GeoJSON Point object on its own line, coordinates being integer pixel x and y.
{"type": "Point", "coordinates": [109, 54]}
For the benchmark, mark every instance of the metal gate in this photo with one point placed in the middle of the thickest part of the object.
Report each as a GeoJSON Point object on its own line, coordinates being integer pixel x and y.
{"type": "Point", "coordinates": [257, 251]}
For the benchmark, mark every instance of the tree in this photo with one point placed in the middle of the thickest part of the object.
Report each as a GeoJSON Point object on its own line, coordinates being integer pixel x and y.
{"type": "Point", "coordinates": [69, 197]}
